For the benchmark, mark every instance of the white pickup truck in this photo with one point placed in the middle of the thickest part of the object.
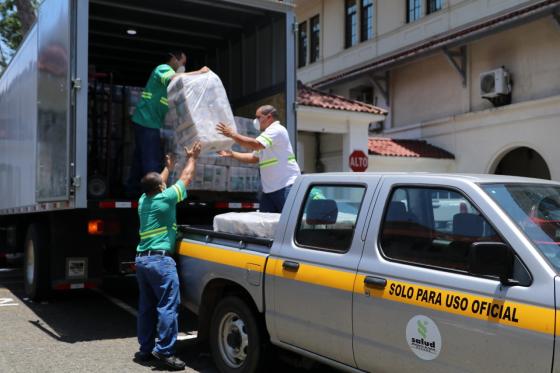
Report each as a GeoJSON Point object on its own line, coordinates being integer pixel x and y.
{"type": "Point", "coordinates": [369, 276]}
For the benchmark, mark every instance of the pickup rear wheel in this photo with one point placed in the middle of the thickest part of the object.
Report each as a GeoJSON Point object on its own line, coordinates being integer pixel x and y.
{"type": "Point", "coordinates": [237, 341]}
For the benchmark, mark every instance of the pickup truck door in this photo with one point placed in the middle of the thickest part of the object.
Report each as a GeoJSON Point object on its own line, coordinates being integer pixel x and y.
{"type": "Point", "coordinates": [416, 308]}
{"type": "Point", "coordinates": [311, 274]}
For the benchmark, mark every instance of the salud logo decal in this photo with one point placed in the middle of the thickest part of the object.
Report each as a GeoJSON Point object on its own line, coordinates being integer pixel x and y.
{"type": "Point", "coordinates": [423, 337]}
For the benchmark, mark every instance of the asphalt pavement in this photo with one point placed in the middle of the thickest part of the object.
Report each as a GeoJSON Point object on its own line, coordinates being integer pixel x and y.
{"type": "Point", "coordinates": [90, 331]}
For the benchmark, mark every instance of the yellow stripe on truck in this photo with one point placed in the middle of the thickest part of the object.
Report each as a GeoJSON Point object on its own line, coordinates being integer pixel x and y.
{"type": "Point", "coordinates": [311, 274]}
{"type": "Point", "coordinates": [519, 315]}
{"type": "Point", "coordinates": [234, 258]}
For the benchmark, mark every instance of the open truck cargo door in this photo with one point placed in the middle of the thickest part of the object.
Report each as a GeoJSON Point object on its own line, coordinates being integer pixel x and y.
{"type": "Point", "coordinates": [57, 87]}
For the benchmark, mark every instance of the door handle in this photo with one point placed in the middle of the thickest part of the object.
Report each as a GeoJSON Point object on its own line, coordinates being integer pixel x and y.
{"type": "Point", "coordinates": [290, 266]}
{"type": "Point", "coordinates": [376, 282]}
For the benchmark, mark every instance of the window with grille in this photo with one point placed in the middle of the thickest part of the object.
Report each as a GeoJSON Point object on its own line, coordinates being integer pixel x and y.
{"type": "Point", "coordinates": [413, 10]}
{"type": "Point", "coordinates": [315, 30]}
{"type": "Point", "coordinates": [434, 6]}
{"type": "Point", "coordinates": [366, 13]}
{"type": "Point", "coordinates": [351, 14]}
{"type": "Point", "coordinates": [302, 44]}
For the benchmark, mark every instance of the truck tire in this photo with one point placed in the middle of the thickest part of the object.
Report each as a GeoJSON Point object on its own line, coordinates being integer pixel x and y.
{"type": "Point", "coordinates": [237, 338]}
{"type": "Point", "coordinates": [36, 263]}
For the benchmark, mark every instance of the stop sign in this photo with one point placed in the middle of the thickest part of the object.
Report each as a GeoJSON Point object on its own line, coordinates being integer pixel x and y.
{"type": "Point", "coordinates": [358, 161]}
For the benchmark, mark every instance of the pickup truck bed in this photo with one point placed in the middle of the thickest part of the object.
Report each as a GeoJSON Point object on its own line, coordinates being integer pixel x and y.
{"type": "Point", "coordinates": [206, 235]}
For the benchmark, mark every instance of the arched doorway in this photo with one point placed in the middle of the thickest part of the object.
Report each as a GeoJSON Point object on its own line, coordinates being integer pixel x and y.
{"type": "Point", "coordinates": [523, 161]}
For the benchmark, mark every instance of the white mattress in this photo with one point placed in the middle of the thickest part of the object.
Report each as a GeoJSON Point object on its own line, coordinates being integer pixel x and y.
{"type": "Point", "coordinates": [256, 224]}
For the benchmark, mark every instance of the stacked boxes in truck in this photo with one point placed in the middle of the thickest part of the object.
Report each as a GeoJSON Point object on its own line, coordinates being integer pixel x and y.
{"type": "Point", "coordinates": [66, 138]}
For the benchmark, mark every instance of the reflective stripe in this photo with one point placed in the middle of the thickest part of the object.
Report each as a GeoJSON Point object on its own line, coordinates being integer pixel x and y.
{"type": "Point", "coordinates": [163, 101]}
{"type": "Point", "coordinates": [268, 163]}
{"type": "Point", "coordinates": [142, 238]}
{"type": "Point", "coordinates": [266, 139]}
{"type": "Point", "coordinates": [292, 158]}
{"type": "Point", "coordinates": [146, 94]}
{"type": "Point", "coordinates": [179, 193]}
{"type": "Point", "coordinates": [166, 76]}
{"type": "Point", "coordinates": [153, 232]}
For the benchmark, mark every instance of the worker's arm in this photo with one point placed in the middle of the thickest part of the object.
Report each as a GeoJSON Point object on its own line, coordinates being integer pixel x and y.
{"type": "Point", "coordinates": [169, 164]}
{"type": "Point", "coordinates": [244, 141]}
{"type": "Point", "coordinates": [189, 171]}
{"type": "Point", "coordinates": [242, 157]}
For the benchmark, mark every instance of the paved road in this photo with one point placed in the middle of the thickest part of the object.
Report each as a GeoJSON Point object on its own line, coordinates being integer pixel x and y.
{"type": "Point", "coordinates": [85, 331]}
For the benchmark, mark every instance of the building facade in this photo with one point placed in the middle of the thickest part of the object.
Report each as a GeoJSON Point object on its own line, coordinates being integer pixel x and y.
{"type": "Point", "coordinates": [476, 78]}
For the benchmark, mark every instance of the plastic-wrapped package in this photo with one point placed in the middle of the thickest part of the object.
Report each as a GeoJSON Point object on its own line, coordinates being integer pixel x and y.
{"type": "Point", "coordinates": [198, 103]}
{"type": "Point", "coordinates": [257, 224]}
{"type": "Point", "coordinates": [227, 174]}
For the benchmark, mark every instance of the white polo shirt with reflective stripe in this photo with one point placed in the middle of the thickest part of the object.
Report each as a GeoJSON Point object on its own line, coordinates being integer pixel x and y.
{"type": "Point", "coordinates": [277, 161]}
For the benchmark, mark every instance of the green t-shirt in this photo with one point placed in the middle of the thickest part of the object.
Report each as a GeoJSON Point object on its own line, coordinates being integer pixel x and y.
{"type": "Point", "coordinates": [158, 225]}
{"type": "Point", "coordinates": [152, 107]}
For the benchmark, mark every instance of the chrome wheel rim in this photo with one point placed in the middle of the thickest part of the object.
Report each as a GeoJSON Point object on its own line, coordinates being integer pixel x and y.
{"type": "Point", "coordinates": [233, 340]}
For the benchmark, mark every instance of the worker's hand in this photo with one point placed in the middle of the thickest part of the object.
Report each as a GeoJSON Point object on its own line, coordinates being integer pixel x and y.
{"type": "Point", "coordinates": [204, 69]}
{"type": "Point", "coordinates": [225, 129]}
{"type": "Point", "coordinates": [194, 151]}
{"type": "Point", "coordinates": [225, 153]}
{"type": "Point", "coordinates": [170, 161]}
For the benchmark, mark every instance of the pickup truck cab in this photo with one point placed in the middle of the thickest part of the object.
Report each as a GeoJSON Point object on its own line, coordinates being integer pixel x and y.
{"type": "Point", "coordinates": [365, 274]}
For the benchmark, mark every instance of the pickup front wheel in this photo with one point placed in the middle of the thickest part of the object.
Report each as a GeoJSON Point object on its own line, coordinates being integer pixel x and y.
{"type": "Point", "coordinates": [236, 339]}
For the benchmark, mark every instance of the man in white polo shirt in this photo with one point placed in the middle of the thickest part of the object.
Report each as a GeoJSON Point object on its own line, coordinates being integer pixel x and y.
{"type": "Point", "coordinates": [272, 151]}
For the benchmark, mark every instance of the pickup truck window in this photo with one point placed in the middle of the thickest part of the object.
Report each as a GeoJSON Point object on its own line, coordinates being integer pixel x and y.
{"type": "Point", "coordinates": [431, 226]}
{"type": "Point", "coordinates": [535, 208]}
{"type": "Point", "coordinates": [328, 218]}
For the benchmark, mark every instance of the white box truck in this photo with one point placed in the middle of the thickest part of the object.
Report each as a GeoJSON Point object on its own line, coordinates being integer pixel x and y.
{"type": "Point", "coordinates": [65, 102]}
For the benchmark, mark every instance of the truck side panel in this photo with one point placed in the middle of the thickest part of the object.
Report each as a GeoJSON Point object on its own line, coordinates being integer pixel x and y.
{"type": "Point", "coordinates": [53, 129]}
{"type": "Point", "coordinates": [18, 126]}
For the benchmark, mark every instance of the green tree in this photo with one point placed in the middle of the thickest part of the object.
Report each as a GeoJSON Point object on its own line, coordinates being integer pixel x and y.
{"type": "Point", "coordinates": [16, 18]}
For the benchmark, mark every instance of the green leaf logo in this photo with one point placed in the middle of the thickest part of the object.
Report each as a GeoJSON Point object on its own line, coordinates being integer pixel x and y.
{"type": "Point", "coordinates": [422, 330]}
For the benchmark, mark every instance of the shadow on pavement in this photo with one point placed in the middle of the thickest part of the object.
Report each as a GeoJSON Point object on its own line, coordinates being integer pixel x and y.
{"type": "Point", "coordinates": [74, 316]}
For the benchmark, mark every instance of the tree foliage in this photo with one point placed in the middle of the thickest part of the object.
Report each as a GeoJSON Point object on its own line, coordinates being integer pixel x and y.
{"type": "Point", "coordinates": [16, 17]}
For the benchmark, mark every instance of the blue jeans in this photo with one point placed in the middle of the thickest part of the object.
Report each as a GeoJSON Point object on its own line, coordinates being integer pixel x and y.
{"type": "Point", "coordinates": [147, 155]}
{"type": "Point", "coordinates": [274, 202]}
{"type": "Point", "coordinates": [158, 285]}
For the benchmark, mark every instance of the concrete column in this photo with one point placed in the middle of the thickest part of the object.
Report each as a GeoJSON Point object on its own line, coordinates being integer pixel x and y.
{"type": "Point", "coordinates": [356, 138]}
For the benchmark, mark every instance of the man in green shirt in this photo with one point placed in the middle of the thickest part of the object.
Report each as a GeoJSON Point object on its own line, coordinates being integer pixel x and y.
{"type": "Point", "coordinates": [149, 117]}
{"type": "Point", "coordinates": [156, 270]}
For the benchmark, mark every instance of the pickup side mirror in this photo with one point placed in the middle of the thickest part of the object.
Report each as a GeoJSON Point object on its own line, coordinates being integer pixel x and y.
{"type": "Point", "coordinates": [492, 259]}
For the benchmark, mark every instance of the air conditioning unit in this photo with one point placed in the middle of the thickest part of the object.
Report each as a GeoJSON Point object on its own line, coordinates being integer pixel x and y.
{"type": "Point", "coordinates": [495, 83]}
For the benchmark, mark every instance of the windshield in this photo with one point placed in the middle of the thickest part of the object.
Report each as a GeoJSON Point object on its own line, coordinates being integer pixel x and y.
{"type": "Point", "coordinates": [536, 210]}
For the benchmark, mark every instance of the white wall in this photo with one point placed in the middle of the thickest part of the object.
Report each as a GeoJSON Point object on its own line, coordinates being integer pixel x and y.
{"type": "Point", "coordinates": [407, 164]}
{"type": "Point", "coordinates": [479, 140]}
{"type": "Point", "coordinates": [530, 52]}
{"type": "Point", "coordinates": [430, 88]}
{"type": "Point", "coordinates": [424, 90]}
{"type": "Point", "coordinates": [391, 30]}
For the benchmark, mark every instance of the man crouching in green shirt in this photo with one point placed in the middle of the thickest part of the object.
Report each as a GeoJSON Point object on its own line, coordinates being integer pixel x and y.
{"type": "Point", "coordinates": [156, 270]}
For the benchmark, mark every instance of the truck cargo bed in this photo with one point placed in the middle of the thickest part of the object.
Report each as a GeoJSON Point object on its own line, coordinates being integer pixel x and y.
{"type": "Point", "coordinates": [206, 235]}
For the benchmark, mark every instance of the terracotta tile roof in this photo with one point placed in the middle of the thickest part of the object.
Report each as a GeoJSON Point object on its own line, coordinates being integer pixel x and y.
{"type": "Point", "coordinates": [406, 148]}
{"type": "Point", "coordinates": [308, 96]}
